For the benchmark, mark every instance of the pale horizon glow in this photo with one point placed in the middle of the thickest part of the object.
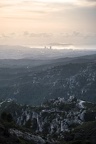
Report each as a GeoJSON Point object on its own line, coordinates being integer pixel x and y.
{"type": "Point", "coordinates": [58, 1]}
{"type": "Point", "coordinates": [40, 22]}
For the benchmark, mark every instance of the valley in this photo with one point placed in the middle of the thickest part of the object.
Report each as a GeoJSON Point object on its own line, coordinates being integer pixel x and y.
{"type": "Point", "coordinates": [62, 78]}
{"type": "Point", "coordinates": [48, 101]}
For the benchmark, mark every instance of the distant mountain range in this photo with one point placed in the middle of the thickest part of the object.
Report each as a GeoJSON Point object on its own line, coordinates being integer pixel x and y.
{"type": "Point", "coordinates": [63, 77]}
{"type": "Point", "coordinates": [21, 52]}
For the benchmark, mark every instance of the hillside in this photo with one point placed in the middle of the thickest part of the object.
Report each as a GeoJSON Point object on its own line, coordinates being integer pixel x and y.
{"type": "Point", "coordinates": [56, 121]}
{"type": "Point", "coordinates": [34, 86]}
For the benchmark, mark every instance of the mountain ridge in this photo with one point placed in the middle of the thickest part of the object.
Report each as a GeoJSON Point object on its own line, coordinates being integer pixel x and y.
{"type": "Point", "coordinates": [56, 121]}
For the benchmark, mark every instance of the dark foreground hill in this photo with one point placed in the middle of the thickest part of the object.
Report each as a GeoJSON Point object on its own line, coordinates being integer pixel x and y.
{"type": "Point", "coordinates": [55, 122]}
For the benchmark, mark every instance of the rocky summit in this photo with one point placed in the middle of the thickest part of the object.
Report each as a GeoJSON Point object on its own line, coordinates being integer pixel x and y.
{"type": "Point", "coordinates": [55, 121]}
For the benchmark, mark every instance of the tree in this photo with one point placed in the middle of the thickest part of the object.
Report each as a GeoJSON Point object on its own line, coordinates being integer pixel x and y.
{"type": "Point", "coordinates": [9, 117]}
{"type": "Point", "coordinates": [28, 123]}
{"type": "Point", "coordinates": [4, 116]}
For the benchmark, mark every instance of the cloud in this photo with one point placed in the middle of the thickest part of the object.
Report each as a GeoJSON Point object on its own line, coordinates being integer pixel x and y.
{"type": "Point", "coordinates": [76, 34]}
{"type": "Point", "coordinates": [43, 35]}
{"type": "Point", "coordinates": [79, 34]}
{"type": "Point", "coordinates": [74, 4]}
{"type": "Point", "coordinates": [92, 1]}
{"type": "Point", "coordinates": [43, 7]}
{"type": "Point", "coordinates": [39, 3]}
{"type": "Point", "coordinates": [40, 19]}
{"type": "Point", "coordinates": [86, 3]}
{"type": "Point", "coordinates": [26, 33]}
{"type": "Point", "coordinates": [7, 35]}
{"type": "Point", "coordinates": [5, 5]}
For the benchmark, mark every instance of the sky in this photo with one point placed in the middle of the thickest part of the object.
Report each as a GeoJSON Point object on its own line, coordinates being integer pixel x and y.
{"type": "Point", "coordinates": [42, 22]}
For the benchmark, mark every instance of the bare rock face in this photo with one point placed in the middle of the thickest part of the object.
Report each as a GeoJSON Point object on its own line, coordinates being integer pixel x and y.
{"type": "Point", "coordinates": [27, 136]}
